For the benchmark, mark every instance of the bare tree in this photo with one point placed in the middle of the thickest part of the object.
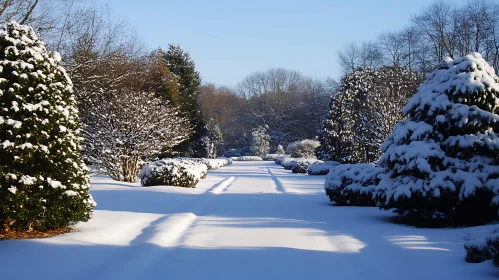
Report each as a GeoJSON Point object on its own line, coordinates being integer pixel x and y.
{"type": "Point", "coordinates": [368, 55]}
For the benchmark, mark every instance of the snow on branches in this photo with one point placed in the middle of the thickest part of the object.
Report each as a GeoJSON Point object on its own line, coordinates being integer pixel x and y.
{"type": "Point", "coordinates": [129, 127]}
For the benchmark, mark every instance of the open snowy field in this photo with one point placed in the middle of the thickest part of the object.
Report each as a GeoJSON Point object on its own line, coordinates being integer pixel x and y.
{"type": "Point", "coordinates": [250, 220]}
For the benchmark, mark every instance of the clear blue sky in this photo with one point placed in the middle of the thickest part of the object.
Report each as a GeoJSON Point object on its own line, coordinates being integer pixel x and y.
{"type": "Point", "coordinates": [229, 39]}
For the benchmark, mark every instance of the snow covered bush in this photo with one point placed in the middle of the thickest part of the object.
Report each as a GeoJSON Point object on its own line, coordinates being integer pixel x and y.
{"type": "Point", "coordinates": [260, 141]}
{"type": "Point", "coordinates": [289, 163]}
{"type": "Point", "coordinates": [216, 163]}
{"type": "Point", "coordinates": [44, 183]}
{"type": "Point", "coordinates": [280, 159]}
{"type": "Point", "coordinates": [279, 150]}
{"type": "Point", "coordinates": [442, 161]}
{"type": "Point", "coordinates": [321, 168]}
{"type": "Point", "coordinates": [173, 172]}
{"type": "Point", "coordinates": [353, 184]}
{"type": "Point", "coordinates": [249, 158]}
{"type": "Point", "coordinates": [302, 149]}
{"type": "Point", "coordinates": [483, 248]}
{"type": "Point", "coordinates": [129, 127]}
{"type": "Point", "coordinates": [270, 157]}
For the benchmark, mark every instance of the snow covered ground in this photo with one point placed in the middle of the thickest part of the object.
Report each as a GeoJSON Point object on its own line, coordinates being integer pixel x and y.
{"type": "Point", "coordinates": [250, 220]}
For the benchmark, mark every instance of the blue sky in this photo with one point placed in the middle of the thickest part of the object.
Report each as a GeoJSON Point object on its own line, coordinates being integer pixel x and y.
{"type": "Point", "coordinates": [229, 40]}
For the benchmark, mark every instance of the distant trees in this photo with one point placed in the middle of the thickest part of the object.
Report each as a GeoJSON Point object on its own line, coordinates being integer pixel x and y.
{"type": "Point", "coordinates": [290, 104]}
{"type": "Point", "coordinates": [440, 30]}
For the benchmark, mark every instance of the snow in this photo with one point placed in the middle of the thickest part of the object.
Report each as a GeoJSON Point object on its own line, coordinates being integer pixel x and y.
{"type": "Point", "coordinates": [249, 220]}
{"type": "Point", "coordinates": [249, 158]}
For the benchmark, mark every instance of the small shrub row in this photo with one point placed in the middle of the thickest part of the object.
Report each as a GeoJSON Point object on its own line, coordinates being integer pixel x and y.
{"type": "Point", "coordinates": [304, 163]}
{"type": "Point", "coordinates": [249, 158]}
{"type": "Point", "coordinates": [321, 168]}
{"type": "Point", "coordinates": [270, 157]}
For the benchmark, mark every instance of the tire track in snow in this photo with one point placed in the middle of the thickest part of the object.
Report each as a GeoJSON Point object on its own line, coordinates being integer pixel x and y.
{"type": "Point", "coordinates": [279, 186]}
{"type": "Point", "coordinates": [167, 232]}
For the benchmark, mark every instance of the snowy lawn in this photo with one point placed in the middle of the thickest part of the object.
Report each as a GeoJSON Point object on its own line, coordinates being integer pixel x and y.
{"type": "Point", "coordinates": [250, 220]}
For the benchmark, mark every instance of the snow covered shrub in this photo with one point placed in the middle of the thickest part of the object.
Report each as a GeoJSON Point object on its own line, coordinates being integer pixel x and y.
{"type": "Point", "coordinates": [353, 184]}
{"type": "Point", "coordinates": [249, 158]}
{"type": "Point", "coordinates": [43, 181]}
{"type": "Point", "coordinates": [270, 157]}
{"type": "Point", "coordinates": [173, 172]}
{"type": "Point", "coordinates": [216, 163]}
{"type": "Point", "coordinates": [299, 169]}
{"type": "Point", "coordinates": [129, 127]}
{"type": "Point", "coordinates": [279, 150]}
{"type": "Point", "coordinates": [321, 168]}
{"type": "Point", "coordinates": [280, 159]}
{"type": "Point", "coordinates": [289, 163]}
{"type": "Point", "coordinates": [482, 249]}
{"type": "Point", "coordinates": [260, 141]}
{"type": "Point", "coordinates": [442, 161]}
{"type": "Point", "coordinates": [303, 149]}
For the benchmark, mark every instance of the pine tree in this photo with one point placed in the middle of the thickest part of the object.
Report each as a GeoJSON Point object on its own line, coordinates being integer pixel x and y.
{"type": "Point", "coordinates": [442, 161]}
{"type": "Point", "coordinates": [181, 65]}
{"type": "Point", "coordinates": [43, 181]}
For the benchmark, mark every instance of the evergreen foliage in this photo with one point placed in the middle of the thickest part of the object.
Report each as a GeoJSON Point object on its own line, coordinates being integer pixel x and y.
{"type": "Point", "coordinates": [442, 161]}
{"type": "Point", "coordinates": [43, 181]}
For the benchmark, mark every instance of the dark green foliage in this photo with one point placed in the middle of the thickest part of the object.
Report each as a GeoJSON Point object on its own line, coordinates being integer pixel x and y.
{"type": "Point", "coordinates": [478, 252]}
{"type": "Point", "coordinates": [43, 180]}
{"type": "Point", "coordinates": [179, 62]}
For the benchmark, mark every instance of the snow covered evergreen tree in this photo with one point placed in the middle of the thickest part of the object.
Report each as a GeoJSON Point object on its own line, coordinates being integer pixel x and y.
{"type": "Point", "coordinates": [363, 113]}
{"type": "Point", "coordinates": [337, 135]}
{"type": "Point", "coordinates": [378, 107]}
{"type": "Point", "coordinates": [260, 141]}
{"type": "Point", "coordinates": [442, 161]}
{"type": "Point", "coordinates": [43, 181]}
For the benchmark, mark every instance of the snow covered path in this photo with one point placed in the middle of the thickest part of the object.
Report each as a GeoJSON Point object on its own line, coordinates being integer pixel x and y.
{"type": "Point", "coordinates": [250, 220]}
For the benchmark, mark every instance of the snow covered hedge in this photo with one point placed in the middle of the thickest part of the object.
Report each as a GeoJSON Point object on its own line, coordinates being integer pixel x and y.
{"type": "Point", "coordinates": [249, 158]}
{"type": "Point", "coordinates": [353, 184]}
{"type": "Point", "coordinates": [303, 149]}
{"type": "Point", "coordinates": [173, 172]}
{"type": "Point", "coordinates": [270, 157]}
{"type": "Point", "coordinates": [304, 163]}
{"type": "Point", "coordinates": [44, 183]}
{"type": "Point", "coordinates": [442, 161]}
{"type": "Point", "coordinates": [211, 163]}
{"type": "Point", "coordinates": [484, 248]}
{"type": "Point", "coordinates": [321, 168]}
{"type": "Point", "coordinates": [280, 159]}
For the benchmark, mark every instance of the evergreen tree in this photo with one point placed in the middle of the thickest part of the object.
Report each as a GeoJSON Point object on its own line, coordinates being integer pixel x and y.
{"type": "Point", "coordinates": [363, 113]}
{"type": "Point", "coordinates": [260, 141]}
{"type": "Point", "coordinates": [337, 135]}
{"type": "Point", "coordinates": [442, 161]}
{"type": "Point", "coordinates": [181, 65]}
{"type": "Point", "coordinates": [43, 181]}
